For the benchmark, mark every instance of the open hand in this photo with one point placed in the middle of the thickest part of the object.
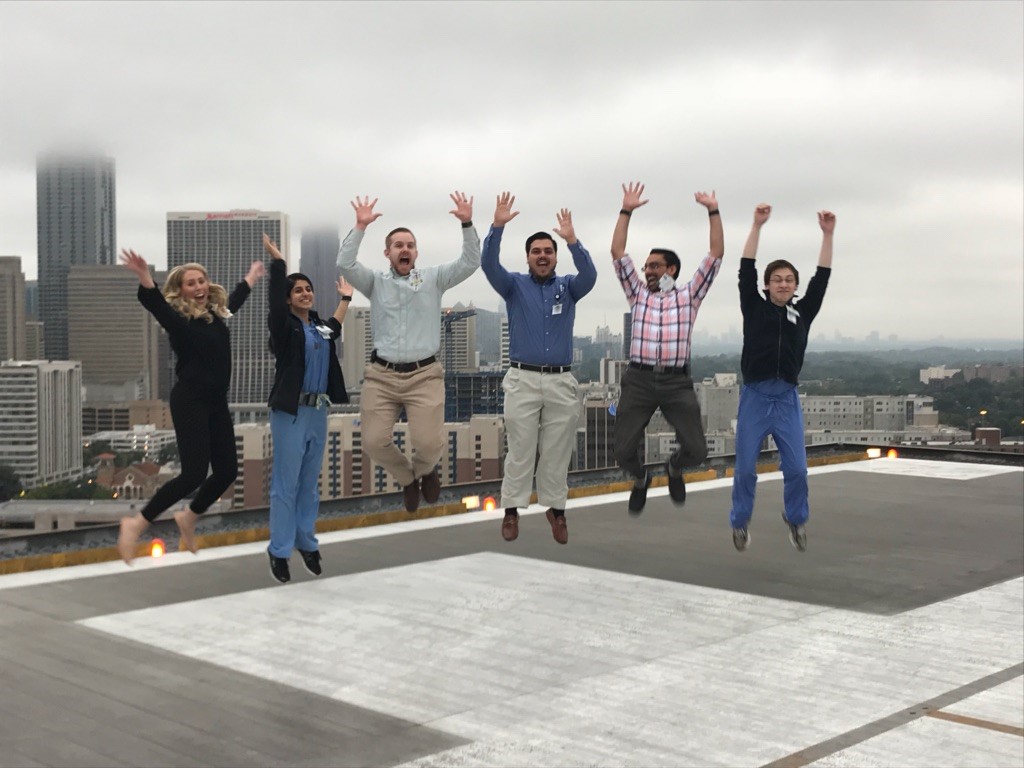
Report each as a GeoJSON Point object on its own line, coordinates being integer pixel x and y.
{"type": "Point", "coordinates": [463, 210]}
{"type": "Point", "coordinates": [364, 211]}
{"type": "Point", "coordinates": [565, 229]}
{"type": "Point", "coordinates": [631, 196]}
{"type": "Point", "coordinates": [503, 212]}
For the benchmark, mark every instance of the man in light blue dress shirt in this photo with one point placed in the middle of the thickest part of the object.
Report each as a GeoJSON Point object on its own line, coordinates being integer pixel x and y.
{"type": "Point", "coordinates": [404, 371]}
{"type": "Point", "coordinates": [541, 406]}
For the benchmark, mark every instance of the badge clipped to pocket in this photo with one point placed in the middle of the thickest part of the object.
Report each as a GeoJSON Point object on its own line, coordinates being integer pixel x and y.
{"type": "Point", "coordinates": [556, 309]}
{"type": "Point", "coordinates": [792, 315]}
{"type": "Point", "coordinates": [323, 330]}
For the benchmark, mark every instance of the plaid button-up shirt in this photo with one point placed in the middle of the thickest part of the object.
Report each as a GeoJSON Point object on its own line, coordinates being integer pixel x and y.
{"type": "Point", "coordinates": [663, 320]}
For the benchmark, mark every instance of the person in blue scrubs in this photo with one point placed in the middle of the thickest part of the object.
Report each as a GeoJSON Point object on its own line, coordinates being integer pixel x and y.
{"type": "Point", "coordinates": [307, 381]}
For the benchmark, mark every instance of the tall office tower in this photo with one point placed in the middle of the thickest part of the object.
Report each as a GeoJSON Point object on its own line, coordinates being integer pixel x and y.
{"type": "Point", "coordinates": [12, 309]}
{"type": "Point", "coordinates": [318, 260]}
{"type": "Point", "coordinates": [488, 336]}
{"type": "Point", "coordinates": [357, 334]}
{"type": "Point", "coordinates": [227, 243]}
{"type": "Point", "coordinates": [31, 299]}
{"type": "Point", "coordinates": [41, 420]}
{"type": "Point", "coordinates": [34, 348]}
{"type": "Point", "coordinates": [112, 335]}
{"type": "Point", "coordinates": [75, 224]}
{"type": "Point", "coordinates": [458, 347]}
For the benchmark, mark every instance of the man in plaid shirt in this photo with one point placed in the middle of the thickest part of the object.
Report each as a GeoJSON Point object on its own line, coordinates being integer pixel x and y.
{"type": "Point", "coordinates": [658, 375]}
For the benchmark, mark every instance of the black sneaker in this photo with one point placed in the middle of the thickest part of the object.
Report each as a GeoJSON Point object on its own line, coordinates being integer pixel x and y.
{"type": "Point", "coordinates": [311, 560]}
{"type": "Point", "coordinates": [638, 496]}
{"type": "Point", "coordinates": [676, 484]}
{"type": "Point", "coordinates": [741, 538]}
{"type": "Point", "coordinates": [279, 569]}
{"type": "Point", "coordinates": [797, 534]}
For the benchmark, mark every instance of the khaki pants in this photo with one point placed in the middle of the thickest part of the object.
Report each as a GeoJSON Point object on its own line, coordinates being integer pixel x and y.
{"type": "Point", "coordinates": [421, 393]}
{"type": "Point", "coordinates": [541, 414]}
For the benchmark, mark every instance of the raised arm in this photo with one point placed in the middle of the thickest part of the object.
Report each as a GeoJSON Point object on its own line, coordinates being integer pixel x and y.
{"type": "Point", "coordinates": [827, 222]}
{"type": "Point", "coordinates": [241, 292]}
{"type": "Point", "coordinates": [630, 202]}
{"type": "Point", "coordinates": [135, 263]}
{"type": "Point", "coordinates": [344, 299]}
{"type": "Point", "coordinates": [761, 215]}
{"type": "Point", "coordinates": [496, 274]}
{"type": "Point", "coordinates": [277, 299]}
{"type": "Point", "coordinates": [150, 297]}
{"type": "Point", "coordinates": [583, 281]}
{"type": "Point", "coordinates": [717, 246]}
{"type": "Point", "coordinates": [749, 295]}
{"type": "Point", "coordinates": [454, 272]}
{"type": "Point", "coordinates": [358, 274]}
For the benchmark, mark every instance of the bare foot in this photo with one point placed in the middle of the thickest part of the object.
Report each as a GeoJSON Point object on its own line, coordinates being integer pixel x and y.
{"type": "Point", "coordinates": [186, 520]}
{"type": "Point", "coordinates": [131, 528]}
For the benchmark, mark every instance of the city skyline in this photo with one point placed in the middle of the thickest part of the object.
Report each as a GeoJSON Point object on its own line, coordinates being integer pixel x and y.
{"type": "Point", "coordinates": [905, 119]}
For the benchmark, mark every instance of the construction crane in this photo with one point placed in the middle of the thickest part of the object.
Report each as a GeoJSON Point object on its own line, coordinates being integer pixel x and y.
{"type": "Point", "coordinates": [447, 318]}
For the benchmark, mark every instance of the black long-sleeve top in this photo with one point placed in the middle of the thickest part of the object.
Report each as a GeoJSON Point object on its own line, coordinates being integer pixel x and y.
{"type": "Point", "coordinates": [774, 340]}
{"type": "Point", "coordinates": [288, 342]}
{"type": "Point", "coordinates": [203, 349]}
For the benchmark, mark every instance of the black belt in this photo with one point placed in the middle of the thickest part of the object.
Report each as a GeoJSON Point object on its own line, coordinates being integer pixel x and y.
{"type": "Point", "coordinates": [309, 398]}
{"type": "Point", "coordinates": [541, 368]}
{"type": "Point", "coordinates": [685, 370]}
{"type": "Point", "coordinates": [402, 367]}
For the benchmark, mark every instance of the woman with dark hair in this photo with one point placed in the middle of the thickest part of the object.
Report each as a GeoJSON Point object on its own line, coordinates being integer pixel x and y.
{"type": "Point", "coordinates": [192, 310]}
{"type": "Point", "coordinates": [307, 380]}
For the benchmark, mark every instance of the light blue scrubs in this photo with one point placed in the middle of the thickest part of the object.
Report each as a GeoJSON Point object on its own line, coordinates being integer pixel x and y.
{"type": "Point", "coordinates": [298, 453]}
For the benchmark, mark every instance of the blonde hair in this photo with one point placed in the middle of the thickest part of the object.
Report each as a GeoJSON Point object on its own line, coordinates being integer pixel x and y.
{"type": "Point", "coordinates": [217, 297]}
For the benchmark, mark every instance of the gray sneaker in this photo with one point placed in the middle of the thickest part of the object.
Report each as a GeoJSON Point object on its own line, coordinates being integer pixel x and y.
{"type": "Point", "coordinates": [797, 534]}
{"type": "Point", "coordinates": [741, 538]}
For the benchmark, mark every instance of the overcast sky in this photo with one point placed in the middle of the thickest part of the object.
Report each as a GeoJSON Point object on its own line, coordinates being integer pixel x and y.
{"type": "Point", "coordinates": [905, 119]}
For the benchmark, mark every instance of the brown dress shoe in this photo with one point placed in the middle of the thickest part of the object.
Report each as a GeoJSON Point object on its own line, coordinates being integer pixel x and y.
{"type": "Point", "coordinates": [558, 527]}
{"type": "Point", "coordinates": [411, 496]}
{"type": "Point", "coordinates": [430, 485]}
{"type": "Point", "coordinates": [510, 526]}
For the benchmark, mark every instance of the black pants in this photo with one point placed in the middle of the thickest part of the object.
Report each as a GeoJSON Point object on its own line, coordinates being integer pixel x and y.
{"type": "Point", "coordinates": [643, 392]}
{"type": "Point", "coordinates": [206, 439]}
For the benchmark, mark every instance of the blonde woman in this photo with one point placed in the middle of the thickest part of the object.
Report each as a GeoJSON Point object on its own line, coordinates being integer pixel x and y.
{"type": "Point", "coordinates": [192, 310]}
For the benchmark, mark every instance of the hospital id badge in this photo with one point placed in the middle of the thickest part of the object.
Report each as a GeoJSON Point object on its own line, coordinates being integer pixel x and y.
{"type": "Point", "coordinates": [556, 309]}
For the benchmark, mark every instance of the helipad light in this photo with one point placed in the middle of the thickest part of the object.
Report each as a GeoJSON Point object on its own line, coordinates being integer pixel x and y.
{"type": "Point", "coordinates": [157, 548]}
{"type": "Point", "coordinates": [891, 453]}
{"type": "Point", "coordinates": [471, 502]}
{"type": "Point", "coordinates": [874, 453]}
{"type": "Point", "coordinates": [490, 504]}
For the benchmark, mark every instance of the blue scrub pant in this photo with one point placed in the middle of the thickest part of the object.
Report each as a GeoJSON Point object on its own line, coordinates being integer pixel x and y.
{"type": "Point", "coordinates": [770, 408]}
{"type": "Point", "coordinates": [294, 487]}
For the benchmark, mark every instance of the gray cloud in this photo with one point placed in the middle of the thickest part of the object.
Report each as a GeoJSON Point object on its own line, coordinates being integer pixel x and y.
{"type": "Point", "coordinates": [903, 118]}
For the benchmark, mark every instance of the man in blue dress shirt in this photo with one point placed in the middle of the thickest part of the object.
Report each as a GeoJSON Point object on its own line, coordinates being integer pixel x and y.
{"type": "Point", "coordinates": [541, 407]}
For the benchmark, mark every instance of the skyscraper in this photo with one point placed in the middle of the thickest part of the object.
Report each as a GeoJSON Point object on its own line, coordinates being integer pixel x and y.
{"type": "Point", "coordinates": [318, 259]}
{"type": "Point", "coordinates": [357, 333]}
{"type": "Point", "coordinates": [41, 420]}
{"type": "Point", "coordinates": [12, 309]}
{"type": "Point", "coordinates": [112, 335]}
{"type": "Point", "coordinates": [76, 223]}
{"type": "Point", "coordinates": [226, 243]}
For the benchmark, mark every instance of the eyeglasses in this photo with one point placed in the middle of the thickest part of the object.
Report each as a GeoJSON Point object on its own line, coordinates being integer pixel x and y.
{"type": "Point", "coordinates": [654, 265]}
{"type": "Point", "coordinates": [780, 280]}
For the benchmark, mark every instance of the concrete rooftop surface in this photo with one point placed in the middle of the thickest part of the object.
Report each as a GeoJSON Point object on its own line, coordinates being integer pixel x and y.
{"type": "Point", "coordinates": [897, 639]}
